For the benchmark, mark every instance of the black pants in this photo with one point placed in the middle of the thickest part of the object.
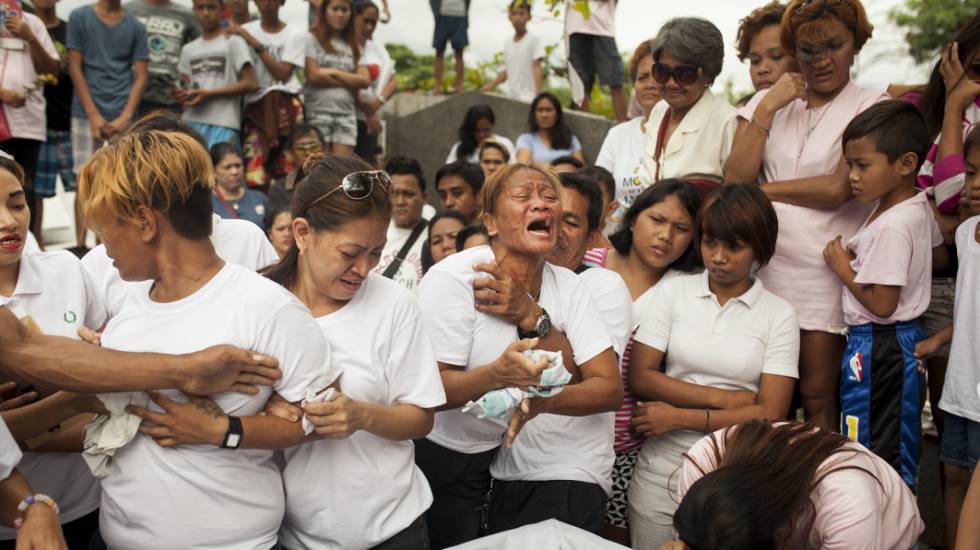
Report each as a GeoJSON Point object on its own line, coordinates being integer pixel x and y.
{"type": "Point", "coordinates": [517, 503]}
{"type": "Point", "coordinates": [367, 144]}
{"type": "Point", "coordinates": [413, 537]}
{"type": "Point", "coordinates": [460, 483]}
{"type": "Point", "coordinates": [78, 533]}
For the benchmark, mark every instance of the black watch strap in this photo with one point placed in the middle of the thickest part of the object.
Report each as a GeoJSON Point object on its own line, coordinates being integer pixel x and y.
{"type": "Point", "coordinates": [233, 437]}
{"type": "Point", "coordinates": [533, 333]}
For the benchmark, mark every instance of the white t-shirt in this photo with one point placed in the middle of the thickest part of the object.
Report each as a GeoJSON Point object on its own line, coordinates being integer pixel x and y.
{"type": "Point", "coordinates": [367, 488]}
{"type": "Point", "coordinates": [601, 21]}
{"type": "Point", "coordinates": [895, 249]}
{"type": "Point", "coordinates": [9, 452]}
{"type": "Point", "coordinates": [240, 242]}
{"type": "Point", "coordinates": [285, 45]}
{"type": "Point", "coordinates": [31, 245]}
{"type": "Point", "coordinates": [56, 292]}
{"type": "Point", "coordinates": [577, 448]}
{"type": "Point", "coordinates": [622, 154]}
{"type": "Point", "coordinates": [475, 155]}
{"type": "Point", "coordinates": [453, 8]}
{"type": "Point", "coordinates": [961, 393]}
{"type": "Point", "coordinates": [409, 274]}
{"type": "Point", "coordinates": [465, 337]}
{"type": "Point", "coordinates": [200, 496]}
{"type": "Point", "coordinates": [519, 57]}
{"type": "Point", "coordinates": [727, 347]}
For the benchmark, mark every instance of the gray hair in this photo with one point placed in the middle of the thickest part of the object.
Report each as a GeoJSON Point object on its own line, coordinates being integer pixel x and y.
{"type": "Point", "coordinates": [693, 40]}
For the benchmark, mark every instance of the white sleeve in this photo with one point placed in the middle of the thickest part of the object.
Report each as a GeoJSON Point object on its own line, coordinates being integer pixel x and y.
{"type": "Point", "coordinates": [10, 454]}
{"type": "Point", "coordinates": [612, 298]}
{"type": "Point", "coordinates": [184, 62]}
{"type": "Point", "coordinates": [537, 48]}
{"type": "Point", "coordinates": [292, 336]}
{"type": "Point", "coordinates": [449, 315]}
{"type": "Point", "coordinates": [607, 153]}
{"type": "Point", "coordinates": [240, 55]}
{"type": "Point", "coordinates": [411, 370]}
{"type": "Point", "coordinates": [656, 317]}
{"type": "Point", "coordinates": [452, 153]}
{"type": "Point", "coordinates": [782, 353]}
{"type": "Point", "coordinates": [96, 313]}
{"type": "Point", "coordinates": [293, 51]}
{"type": "Point", "coordinates": [585, 327]}
{"type": "Point", "coordinates": [265, 254]}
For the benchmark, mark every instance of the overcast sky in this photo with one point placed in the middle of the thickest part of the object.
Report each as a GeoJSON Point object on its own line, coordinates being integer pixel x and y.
{"type": "Point", "coordinates": [883, 60]}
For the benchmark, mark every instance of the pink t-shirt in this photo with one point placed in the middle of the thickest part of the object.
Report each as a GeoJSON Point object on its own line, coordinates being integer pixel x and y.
{"type": "Point", "coordinates": [854, 510]}
{"type": "Point", "coordinates": [17, 73]}
{"type": "Point", "coordinates": [806, 143]}
{"type": "Point", "coordinates": [895, 250]}
{"type": "Point", "coordinates": [601, 21]}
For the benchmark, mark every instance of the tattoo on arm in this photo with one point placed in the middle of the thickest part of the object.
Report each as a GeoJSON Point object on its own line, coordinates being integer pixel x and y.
{"type": "Point", "coordinates": [208, 407]}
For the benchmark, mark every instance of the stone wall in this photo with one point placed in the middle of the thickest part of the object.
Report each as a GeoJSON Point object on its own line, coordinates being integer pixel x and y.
{"type": "Point", "coordinates": [424, 127]}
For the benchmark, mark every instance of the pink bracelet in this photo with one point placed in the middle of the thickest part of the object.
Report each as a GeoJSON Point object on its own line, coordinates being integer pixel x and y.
{"type": "Point", "coordinates": [33, 499]}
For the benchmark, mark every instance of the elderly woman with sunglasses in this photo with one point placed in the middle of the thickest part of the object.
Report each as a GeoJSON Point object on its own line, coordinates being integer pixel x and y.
{"type": "Point", "coordinates": [789, 140]}
{"type": "Point", "coordinates": [483, 307]}
{"type": "Point", "coordinates": [691, 130]}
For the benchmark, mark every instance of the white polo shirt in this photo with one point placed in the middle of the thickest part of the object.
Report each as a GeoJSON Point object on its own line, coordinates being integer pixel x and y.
{"type": "Point", "coordinates": [578, 448]}
{"type": "Point", "coordinates": [201, 496]}
{"type": "Point", "coordinates": [728, 347]}
{"type": "Point", "coordinates": [699, 145]}
{"type": "Point", "coordinates": [361, 491]}
{"type": "Point", "coordinates": [59, 296]}
{"type": "Point", "coordinates": [467, 338]}
{"type": "Point", "coordinates": [240, 242]}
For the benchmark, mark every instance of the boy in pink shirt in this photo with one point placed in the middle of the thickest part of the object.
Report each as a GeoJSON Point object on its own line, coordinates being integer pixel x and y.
{"type": "Point", "coordinates": [886, 269]}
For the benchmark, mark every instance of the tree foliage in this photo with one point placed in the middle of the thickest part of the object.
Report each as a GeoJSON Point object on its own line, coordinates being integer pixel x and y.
{"type": "Point", "coordinates": [930, 25]}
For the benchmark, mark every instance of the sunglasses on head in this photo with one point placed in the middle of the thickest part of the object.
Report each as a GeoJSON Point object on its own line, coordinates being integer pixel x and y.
{"type": "Point", "coordinates": [683, 75]}
{"type": "Point", "coordinates": [816, 4]}
{"type": "Point", "coordinates": [358, 186]}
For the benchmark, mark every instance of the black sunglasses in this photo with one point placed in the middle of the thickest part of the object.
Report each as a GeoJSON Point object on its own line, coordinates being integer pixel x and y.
{"type": "Point", "coordinates": [818, 5]}
{"type": "Point", "coordinates": [683, 75]}
{"type": "Point", "coordinates": [358, 186]}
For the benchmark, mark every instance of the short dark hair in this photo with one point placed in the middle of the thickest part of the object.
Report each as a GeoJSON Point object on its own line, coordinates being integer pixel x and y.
{"type": "Point", "coordinates": [493, 144]}
{"type": "Point", "coordinates": [972, 140]}
{"type": "Point", "coordinates": [166, 121]}
{"type": "Point", "coordinates": [602, 177]}
{"type": "Point", "coordinates": [896, 127]}
{"type": "Point", "coordinates": [272, 212]}
{"type": "Point", "coordinates": [736, 212]}
{"type": "Point", "coordinates": [690, 199]}
{"type": "Point", "coordinates": [517, 4]}
{"type": "Point", "coordinates": [568, 159]}
{"type": "Point", "coordinates": [406, 166]}
{"type": "Point", "coordinates": [588, 189]}
{"type": "Point", "coordinates": [301, 130]}
{"type": "Point", "coordinates": [221, 150]}
{"type": "Point", "coordinates": [427, 261]}
{"type": "Point", "coordinates": [471, 173]}
{"type": "Point", "coordinates": [467, 232]}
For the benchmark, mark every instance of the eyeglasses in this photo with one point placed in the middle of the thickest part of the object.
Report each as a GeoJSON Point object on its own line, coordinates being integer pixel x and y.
{"type": "Point", "coordinates": [308, 147]}
{"type": "Point", "coordinates": [358, 186]}
{"type": "Point", "coordinates": [683, 75]}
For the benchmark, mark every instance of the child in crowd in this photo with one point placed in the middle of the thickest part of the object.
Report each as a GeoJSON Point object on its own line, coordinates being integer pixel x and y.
{"type": "Point", "coordinates": [458, 184]}
{"type": "Point", "coordinates": [275, 108]}
{"type": "Point", "coordinates": [333, 75]}
{"type": "Point", "coordinates": [886, 268]}
{"type": "Point", "coordinates": [960, 400]}
{"type": "Point", "coordinates": [55, 158]}
{"type": "Point", "coordinates": [107, 60]}
{"type": "Point", "coordinates": [169, 27]}
{"type": "Point", "coordinates": [523, 55]}
{"type": "Point", "coordinates": [28, 54]}
{"type": "Point", "coordinates": [452, 21]}
{"type": "Point", "coordinates": [216, 70]}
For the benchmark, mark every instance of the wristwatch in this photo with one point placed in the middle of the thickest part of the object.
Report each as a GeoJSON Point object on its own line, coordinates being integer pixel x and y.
{"type": "Point", "coordinates": [233, 437]}
{"type": "Point", "coordinates": [259, 48]}
{"type": "Point", "coordinates": [541, 328]}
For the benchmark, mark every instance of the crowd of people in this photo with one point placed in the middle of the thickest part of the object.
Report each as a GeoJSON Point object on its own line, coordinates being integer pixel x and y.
{"type": "Point", "coordinates": [721, 334]}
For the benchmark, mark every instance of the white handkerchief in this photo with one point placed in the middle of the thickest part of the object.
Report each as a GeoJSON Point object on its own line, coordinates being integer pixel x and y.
{"type": "Point", "coordinates": [328, 394]}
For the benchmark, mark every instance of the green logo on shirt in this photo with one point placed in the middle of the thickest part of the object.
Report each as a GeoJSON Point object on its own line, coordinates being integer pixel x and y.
{"type": "Point", "coordinates": [70, 317]}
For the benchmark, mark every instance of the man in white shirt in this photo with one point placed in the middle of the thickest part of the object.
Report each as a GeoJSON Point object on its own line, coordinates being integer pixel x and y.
{"type": "Point", "coordinates": [592, 51]}
{"type": "Point", "coordinates": [523, 55]}
{"type": "Point", "coordinates": [401, 259]}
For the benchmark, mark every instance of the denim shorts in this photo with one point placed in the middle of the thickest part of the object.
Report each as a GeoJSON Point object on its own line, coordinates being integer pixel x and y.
{"type": "Point", "coordinates": [961, 442]}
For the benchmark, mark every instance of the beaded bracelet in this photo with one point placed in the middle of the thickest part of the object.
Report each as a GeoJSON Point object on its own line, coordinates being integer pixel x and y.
{"type": "Point", "coordinates": [33, 499]}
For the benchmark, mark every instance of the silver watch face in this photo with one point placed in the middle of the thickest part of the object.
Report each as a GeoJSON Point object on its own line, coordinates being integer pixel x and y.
{"type": "Point", "coordinates": [544, 326]}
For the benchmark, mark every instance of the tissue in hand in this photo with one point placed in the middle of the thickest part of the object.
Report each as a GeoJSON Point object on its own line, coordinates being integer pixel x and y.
{"type": "Point", "coordinates": [498, 403]}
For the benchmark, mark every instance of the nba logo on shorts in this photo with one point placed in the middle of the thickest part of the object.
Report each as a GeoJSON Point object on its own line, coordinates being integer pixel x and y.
{"type": "Point", "coordinates": [857, 367]}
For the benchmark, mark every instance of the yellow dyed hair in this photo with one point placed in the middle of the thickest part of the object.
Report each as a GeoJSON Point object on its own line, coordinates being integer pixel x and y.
{"type": "Point", "coordinates": [165, 171]}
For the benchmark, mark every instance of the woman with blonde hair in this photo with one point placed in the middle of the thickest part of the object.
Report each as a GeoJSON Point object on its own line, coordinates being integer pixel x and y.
{"type": "Point", "coordinates": [788, 138]}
